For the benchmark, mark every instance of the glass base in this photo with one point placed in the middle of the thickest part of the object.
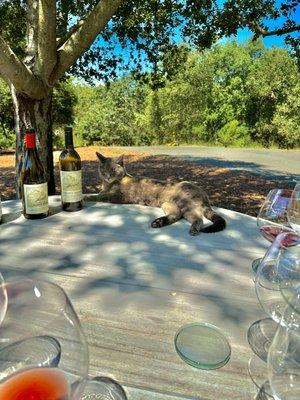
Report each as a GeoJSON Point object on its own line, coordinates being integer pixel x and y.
{"type": "Point", "coordinates": [260, 336]}
{"type": "Point", "coordinates": [44, 351]}
{"type": "Point", "coordinates": [258, 373]}
{"type": "Point", "coordinates": [102, 387]}
{"type": "Point", "coordinates": [255, 264]}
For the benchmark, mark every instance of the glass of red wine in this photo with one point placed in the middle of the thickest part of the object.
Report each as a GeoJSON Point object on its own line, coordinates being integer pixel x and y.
{"type": "Point", "coordinates": [293, 211]}
{"type": "Point", "coordinates": [272, 217]}
{"type": "Point", "coordinates": [43, 351]}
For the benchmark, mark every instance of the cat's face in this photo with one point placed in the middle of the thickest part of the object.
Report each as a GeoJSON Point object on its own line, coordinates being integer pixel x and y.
{"type": "Point", "coordinates": [111, 169]}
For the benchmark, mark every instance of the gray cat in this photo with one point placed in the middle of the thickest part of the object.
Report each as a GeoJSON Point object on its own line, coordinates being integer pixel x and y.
{"type": "Point", "coordinates": [178, 200]}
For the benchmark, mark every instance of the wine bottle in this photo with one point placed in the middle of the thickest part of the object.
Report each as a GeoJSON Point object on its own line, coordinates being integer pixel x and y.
{"type": "Point", "coordinates": [33, 181]}
{"type": "Point", "coordinates": [70, 175]}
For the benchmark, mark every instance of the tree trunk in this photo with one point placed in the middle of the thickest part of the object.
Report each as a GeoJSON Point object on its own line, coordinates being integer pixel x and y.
{"type": "Point", "coordinates": [36, 114]}
{"type": "Point", "coordinates": [156, 120]}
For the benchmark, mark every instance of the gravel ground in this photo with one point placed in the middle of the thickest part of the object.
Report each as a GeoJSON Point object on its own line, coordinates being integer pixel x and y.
{"type": "Point", "coordinates": [232, 189]}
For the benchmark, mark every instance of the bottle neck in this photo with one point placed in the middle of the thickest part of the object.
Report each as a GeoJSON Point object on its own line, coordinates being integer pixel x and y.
{"type": "Point", "coordinates": [69, 140]}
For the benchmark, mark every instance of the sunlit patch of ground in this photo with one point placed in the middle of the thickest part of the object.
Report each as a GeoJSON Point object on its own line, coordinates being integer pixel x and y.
{"type": "Point", "coordinates": [232, 189]}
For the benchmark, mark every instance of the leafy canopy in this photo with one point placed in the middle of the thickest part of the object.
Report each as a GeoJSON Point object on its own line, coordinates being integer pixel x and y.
{"type": "Point", "coordinates": [149, 28]}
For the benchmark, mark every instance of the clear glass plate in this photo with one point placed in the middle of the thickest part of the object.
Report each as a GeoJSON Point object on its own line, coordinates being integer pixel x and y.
{"type": "Point", "coordinates": [203, 346]}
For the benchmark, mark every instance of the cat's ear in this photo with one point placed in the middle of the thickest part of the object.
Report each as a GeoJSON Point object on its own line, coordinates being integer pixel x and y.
{"type": "Point", "coordinates": [120, 160]}
{"type": "Point", "coordinates": [101, 158]}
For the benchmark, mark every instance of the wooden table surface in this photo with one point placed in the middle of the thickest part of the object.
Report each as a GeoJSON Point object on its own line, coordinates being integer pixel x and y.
{"type": "Point", "coordinates": [133, 287]}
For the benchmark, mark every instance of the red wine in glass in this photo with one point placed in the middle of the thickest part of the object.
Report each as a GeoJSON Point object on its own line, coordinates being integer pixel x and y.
{"type": "Point", "coordinates": [270, 232]}
{"type": "Point", "coordinates": [35, 384]}
{"type": "Point", "coordinates": [272, 217]}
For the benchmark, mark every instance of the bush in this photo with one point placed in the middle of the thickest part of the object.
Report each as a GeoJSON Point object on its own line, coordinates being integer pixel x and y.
{"type": "Point", "coordinates": [233, 133]}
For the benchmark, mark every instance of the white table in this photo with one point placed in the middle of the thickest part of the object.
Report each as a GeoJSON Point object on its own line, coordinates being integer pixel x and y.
{"type": "Point", "coordinates": [133, 287]}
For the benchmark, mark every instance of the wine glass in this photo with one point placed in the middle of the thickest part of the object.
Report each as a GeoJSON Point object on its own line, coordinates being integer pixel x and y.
{"type": "Point", "coordinates": [277, 271]}
{"type": "Point", "coordinates": [272, 217]}
{"type": "Point", "coordinates": [43, 351]}
{"type": "Point", "coordinates": [293, 211]}
{"type": "Point", "coordinates": [284, 357]}
{"type": "Point", "coordinates": [3, 299]}
{"type": "Point", "coordinates": [108, 388]}
{"type": "Point", "coordinates": [278, 268]}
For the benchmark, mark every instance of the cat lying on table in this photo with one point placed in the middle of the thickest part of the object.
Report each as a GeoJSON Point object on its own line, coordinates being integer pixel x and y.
{"type": "Point", "coordinates": [178, 200]}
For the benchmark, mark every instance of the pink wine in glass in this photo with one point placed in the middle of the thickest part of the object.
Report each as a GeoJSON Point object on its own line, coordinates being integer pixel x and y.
{"type": "Point", "coordinates": [270, 232]}
{"type": "Point", "coordinates": [35, 384]}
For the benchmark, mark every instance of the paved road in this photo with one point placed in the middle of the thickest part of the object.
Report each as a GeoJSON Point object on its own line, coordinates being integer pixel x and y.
{"type": "Point", "coordinates": [273, 164]}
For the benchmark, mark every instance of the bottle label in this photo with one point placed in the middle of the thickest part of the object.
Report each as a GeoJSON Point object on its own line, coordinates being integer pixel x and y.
{"type": "Point", "coordinates": [36, 198]}
{"type": "Point", "coordinates": [71, 186]}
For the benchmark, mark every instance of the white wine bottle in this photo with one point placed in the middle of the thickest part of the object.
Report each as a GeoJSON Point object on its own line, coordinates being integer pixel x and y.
{"type": "Point", "coordinates": [70, 175]}
{"type": "Point", "coordinates": [33, 181]}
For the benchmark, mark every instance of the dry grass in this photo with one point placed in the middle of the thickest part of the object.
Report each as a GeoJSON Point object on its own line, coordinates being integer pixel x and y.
{"type": "Point", "coordinates": [232, 189]}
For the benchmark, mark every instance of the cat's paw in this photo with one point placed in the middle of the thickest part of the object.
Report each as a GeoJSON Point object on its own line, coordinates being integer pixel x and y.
{"type": "Point", "coordinates": [195, 229]}
{"type": "Point", "coordinates": [194, 232]}
{"type": "Point", "coordinates": [158, 222]}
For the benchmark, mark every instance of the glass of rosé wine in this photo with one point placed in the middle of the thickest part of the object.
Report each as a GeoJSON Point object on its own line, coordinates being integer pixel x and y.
{"type": "Point", "coordinates": [272, 217]}
{"type": "Point", "coordinates": [43, 350]}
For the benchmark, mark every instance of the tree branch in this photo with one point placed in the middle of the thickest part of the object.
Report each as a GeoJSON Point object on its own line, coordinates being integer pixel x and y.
{"type": "Point", "coordinates": [47, 51]}
{"type": "Point", "coordinates": [281, 31]}
{"type": "Point", "coordinates": [255, 27]}
{"type": "Point", "coordinates": [31, 34]}
{"type": "Point", "coordinates": [14, 71]}
{"type": "Point", "coordinates": [84, 36]}
{"type": "Point", "coordinates": [61, 41]}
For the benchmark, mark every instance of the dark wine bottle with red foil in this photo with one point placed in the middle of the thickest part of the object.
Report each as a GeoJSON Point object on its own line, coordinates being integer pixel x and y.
{"type": "Point", "coordinates": [70, 175]}
{"type": "Point", "coordinates": [33, 181]}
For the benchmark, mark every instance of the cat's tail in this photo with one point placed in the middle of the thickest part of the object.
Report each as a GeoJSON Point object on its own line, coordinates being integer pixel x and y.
{"type": "Point", "coordinates": [218, 222]}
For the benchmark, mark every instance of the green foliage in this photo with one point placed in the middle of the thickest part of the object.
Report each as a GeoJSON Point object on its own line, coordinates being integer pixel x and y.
{"type": "Point", "coordinates": [64, 101]}
{"type": "Point", "coordinates": [233, 134]}
{"type": "Point", "coordinates": [148, 29]}
{"type": "Point", "coordinates": [233, 95]}
{"type": "Point", "coordinates": [286, 119]}
{"type": "Point", "coordinates": [6, 117]}
{"type": "Point", "coordinates": [112, 114]}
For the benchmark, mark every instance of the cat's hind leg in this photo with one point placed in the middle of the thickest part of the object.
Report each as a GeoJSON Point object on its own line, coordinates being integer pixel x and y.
{"type": "Point", "coordinates": [195, 220]}
{"type": "Point", "coordinates": [173, 214]}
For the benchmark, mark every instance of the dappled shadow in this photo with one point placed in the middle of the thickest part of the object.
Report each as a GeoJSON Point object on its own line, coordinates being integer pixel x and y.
{"type": "Point", "coordinates": [121, 236]}
{"type": "Point", "coordinates": [134, 286]}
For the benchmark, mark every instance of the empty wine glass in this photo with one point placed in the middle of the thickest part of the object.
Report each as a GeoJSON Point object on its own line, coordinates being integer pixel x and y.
{"type": "Point", "coordinates": [43, 351]}
{"type": "Point", "coordinates": [284, 357]}
{"type": "Point", "coordinates": [3, 299]}
{"type": "Point", "coordinates": [278, 271]}
{"type": "Point", "coordinates": [272, 217]}
{"type": "Point", "coordinates": [278, 267]}
{"type": "Point", "coordinates": [293, 211]}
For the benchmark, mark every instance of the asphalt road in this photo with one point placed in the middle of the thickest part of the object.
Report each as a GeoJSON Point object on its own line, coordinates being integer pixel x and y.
{"type": "Point", "coordinates": [271, 164]}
